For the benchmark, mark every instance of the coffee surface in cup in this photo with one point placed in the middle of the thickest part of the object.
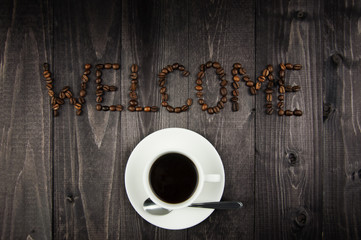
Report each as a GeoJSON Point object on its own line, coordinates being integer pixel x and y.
{"type": "Point", "coordinates": [173, 178]}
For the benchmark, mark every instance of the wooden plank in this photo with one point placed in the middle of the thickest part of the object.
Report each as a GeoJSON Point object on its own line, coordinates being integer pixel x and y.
{"type": "Point", "coordinates": [223, 31]}
{"type": "Point", "coordinates": [289, 149]}
{"type": "Point", "coordinates": [25, 127]}
{"type": "Point", "coordinates": [342, 138]}
{"type": "Point", "coordinates": [87, 170]}
{"type": "Point", "coordinates": [154, 34]}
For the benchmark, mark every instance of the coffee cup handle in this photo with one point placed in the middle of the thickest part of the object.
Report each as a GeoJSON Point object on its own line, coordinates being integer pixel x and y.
{"type": "Point", "coordinates": [212, 178]}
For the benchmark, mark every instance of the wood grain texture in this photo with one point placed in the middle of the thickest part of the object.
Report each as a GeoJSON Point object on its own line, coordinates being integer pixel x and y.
{"type": "Point", "coordinates": [25, 127]}
{"type": "Point", "coordinates": [289, 149]}
{"type": "Point", "coordinates": [342, 117]}
{"type": "Point", "coordinates": [223, 31]}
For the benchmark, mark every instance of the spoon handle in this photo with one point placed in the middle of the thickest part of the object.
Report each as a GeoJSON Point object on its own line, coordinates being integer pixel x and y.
{"type": "Point", "coordinates": [218, 205]}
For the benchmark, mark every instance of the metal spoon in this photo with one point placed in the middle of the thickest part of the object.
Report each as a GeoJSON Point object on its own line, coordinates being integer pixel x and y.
{"type": "Point", "coordinates": [152, 208]}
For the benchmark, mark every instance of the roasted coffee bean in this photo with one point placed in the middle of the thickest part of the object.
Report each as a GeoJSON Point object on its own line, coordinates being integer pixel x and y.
{"type": "Point", "coordinates": [268, 105]}
{"type": "Point", "coordinates": [280, 104]}
{"type": "Point", "coordinates": [107, 65]}
{"type": "Point", "coordinates": [297, 112]}
{"type": "Point", "coordinates": [235, 92]}
{"type": "Point", "coordinates": [83, 86]}
{"type": "Point", "coordinates": [177, 110]}
{"type": "Point", "coordinates": [200, 75]}
{"type": "Point", "coordinates": [112, 108]}
{"type": "Point", "coordinates": [281, 112]}
{"type": "Point", "coordinates": [99, 66]}
{"type": "Point", "coordinates": [181, 68]}
{"type": "Point", "coordinates": [49, 86]}
{"type": "Point", "coordinates": [224, 83]}
{"type": "Point", "coordinates": [189, 101]}
{"type": "Point", "coordinates": [216, 109]}
{"type": "Point", "coordinates": [175, 65]}
{"type": "Point", "coordinates": [161, 74]}
{"type": "Point", "coordinates": [253, 90]}
{"type": "Point", "coordinates": [86, 72]}
{"type": "Point", "coordinates": [161, 83]}
{"type": "Point", "coordinates": [51, 93]}
{"type": "Point", "coordinates": [184, 108]}
{"type": "Point", "coordinates": [242, 71]}
{"type": "Point", "coordinates": [79, 112]}
{"type": "Point", "coordinates": [224, 99]}
{"type": "Point", "coordinates": [131, 108]}
{"type": "Point", "coordinates": [234, 71]}
{"type": "Point", "coordinates": [289, 66]}
{"type": "Point", "coordinates": [297, 67]}
{"type": "Point", "coordinates": [282, 74]}
{"type": "Point", "coordinates": [49, 80]}
{"type": "Point", "coordinates": [164, 70]}
{"type": "Point", "coordinates": [219, 71]}
{"type": "Point", "coordinates": [134, 68]}
{"type": "Point", "coordinates": [112, 88]}
{"type": "Point", "coordinates": [98, 73]}
{"type": "Point", "coordinates": [115, 66]}
{"type": "Point", "coordinates": [235, 85]}
{"type": "Point", "coordinates": [119, 108]}
{"type": "Point", "coordinates": [133, 95]}
{"type": "Point", "coordinates": [154, 109]}
{"type": "Point", "coordinates": [288, 113]}
{"type": "Point", "coordinates": [282, 66]}
{"type": "Point", "coordinates": [202, 67]}
{"type": "Point", "coordinates": [98, 107]}
{"type": "Point", "coordinates": [296, 88]}
{"type": "Point", "coordinates": [246, 78]}
{"type": "Point", "coordinates": [281, 82]}
{"type": "Point", "coordinates": [281, 97]}
{"type": "Point", "coordinates": [204, 107]}
{"type": "Point", "coordinates": [199, 94]}
{"type": "Point", "coordinates": [210, 110]}
{"type": "Point", "coordinates": [133, 87]}
{"type": "Point", "coordinates": [234, 99]}
{"type": "Point", "coordinates": [46, 74]}
{"type": "Point", "coordinates": [209, 64]}
{"type": "Point", "coordinates": [99, 99]}
{"type": "Point", "coordinates": [235, 106]}
{"type": "Point", "coordinates": [77, 106]}
{"type": "Point", "coordinates": [56, 106]}
{"type": "Point", "coordinates": [170, 108]}
{"type": "Point", "coordinates": [146, 109]}
{"type": "Point", "coordinates": [72, 101]}
{"type": "Point", "coordinates": [170, 68]}
{"type": "Point", "coordinates": [186, 73]}
{"type": "Point", "coordinates": [249, 84]}
{"type": "Point", "coordinates": [216, 65]}
{"type": "Point", "coordinates": [269, 97]}
{"type": "Point", "coordinates": [258, 86]}
{"type": "Point", "coordinates": [282, 89]}
{"type": "Point", "coordinates": [199, 88]}
{"type": "Point", "coordinates": [99, 86]}
{"type": "Point", "coordinates": [268, 90]}
{"type": "Point", "coordinates": [98, 80]}
{"type": "Point", "coordinates": [288, 88]}
{"type": "Point", "coordinates": [220, 105]}
{"type": "Point", "coordinates": [270, 68]}
{"type": "Point", "coordinates": [81, 100]}
{"type": "Point", "coordinates": [261, 78]}
{"type": "Point", "coordinates": [265, 72]}
{"type": "Point", "coordinates": [271, 77]}
{"type": "Point", "coordinates": [163, 90]}
{"type": "Point", "coordinates": [138, 108]}
{"type": "Point", "coordinates": [237, 65]}
{"type": "Point", "coordinates": [68, 94]}
{"type": "Point", "coordinates": [223, 91]}
{"type": "Point", "coordinates": [270, 84]}
{"type": "Point", "coordinates": [53, 100]}
{"type": "Point", "coordinates": [134, 76]}
{"type": "Point", "coordinates": [46, 67]}
{"type": "Point", "coordinates": [269, 111]}
{"type": "Point", "coordinates": [133, 102]}
{"type": "Point", "coordinates": [201, 101]}
{"type": "Point", "coordinates": [199, 81]}
{"type": "Point", "coordinates": [164, 97]}
{"type": "Point", "coordinates": [99, 92]}
{"type": "Point", "coordinates": [105, 108]}
{"type": "Point", "coordinates": [164, 103]}
{"type": "Point", "coordinates": [82, 93]}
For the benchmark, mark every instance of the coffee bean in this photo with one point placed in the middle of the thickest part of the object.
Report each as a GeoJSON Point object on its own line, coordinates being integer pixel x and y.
{"type": "Point", "coordinates": [249, 84]}
{"type": "Point", "coordinates": [164, 103]}
{"type": "Point", "coordinates": [288, 88]}
{"type": "Point", "coordinates": [181, 68]}
{"type": "Point", "coordinates": [220, 71]}
{"type": "Point", "coordinates": [99, 66]}
{"type": "Point", "coordinates": [98, 73]}
{"type": "Point", "coordinates": [51, 93]}
{"type": "Point", "coordinates": [68, 94]}
{"type": "Point", "coordinates": [199, 94]}
{"type": "Point", "coordinates": [204, 107]}
{"type": "Point", "coordinates": [201, 101]}
{"type": "Point", "coordinates": [235, 92]}
{"type": "Point", "coordinates": [133, 102]}
{"type": "Point", "coordinates": [258, 86]}
{"type": "Point", "coordinates": [269, 105]}
{"type": "Point", "coordinates": [86, 72]}
{"type": "Point", "coordinates": [163, 90]}
{"type": "Point", "coordinates": [82, 93]}
{"type": "Point", "coordinates": [81, 100]}
{"type": "Point", "coordinates": [77, 106]}
{"type": "Point", "coordinates": [107, 65]}
{"type": "Point", "coordinates": [235, 85]}
{"type": "Point", "coordinates": [280, 105]}
{"type": "Point", "coordinates": [199, 82]}
{"type": "Point", "coordinates": [216, 109]}
{"type": "Point", "coordinates": [170, 108]}
{"type": "Point", "coordinates": [224, 83]}
{"type": "Point", "coordinates": [72, 101]}
{"type": "Point", "coordinates": [270, 84]}
{"type": "Point", "coordinates": [46, 66]}
{"type": "Point", "coordinates": [46, 74]}
{"type": "Point", "coordinates": [134, 68]}
{"type": "Point", "coordinates": [246, 78]}
{"type": "Point", "coordinates": [170, 68]}
{"type": "Point", "coordinates": [200, 75]}
{"type": "Point", "coordinates": [154, 109]}
{"type": "Point", "coordinates": [235, 106]}
{"type": "Point", "coordinates": [224, 99]}
{"type": "Point", "coordinates": [234, 99]}
{"type": "Point", "coordinates": [297, 112]}
{"type": "Point", "coordinates": [186, 73]}
{"type": "Point", "coordinates": [133, 95]}
{"type": "Point", "coordinates": [199, 88]}
{"type": "Point", "coordinates": [216, 65]}
{"type": "Point", "coordinates": [49, 86]}
{"type": "Point", "coordinates": [99, 86]}
{"type": "Point", "coordinates": [177, 110]}
{"type": "Point", "coordinates": [265, 72]}
{"type": "Point", "coordinates": [83, 86]}
{"type": "Point", "coordinates": [119, 108]}
{"type": "Point", "coordinates": [242, 71]}
{"type": "Point", "coordinates": [296, 88]}
{"type": "Point", "coordinates": [220, 105]}
{"type": "Point", "coordinates": [253, 90]}
{"type": "Point", "coordinates": [134, 76]}
{"type": "Point", "coordinates": [99, 99]}
{"type": "Point", "coordinates": [202, 67]}
{"type": "Point", "coordinates": [131, 108]}
{"type": "Point", "coordinates": [268, 90]}
{"type": "Point", "coordinates": [85, 78]}
{"type": "Point", "coordinates": [164, 97]}
{"type": "Point", "coordinates": [282, 89]}
{"type": "Point", "coordinates": [288, 113]}
{"type": "Point", "coordinates": [297, 67]}
{"type": "Point", "coordinates": [281, 112]}
{"type": "Point", "coordinates": [237, 65]}
{"type": "Point", "coordinates": [49, 80]}
{"type": "Point", "coordinates": [210, 110]}
{"type": "Point", "coordinates": [271, 77]}
{"type": "Point", "coordinates": [175, 65]}
{"type": "Point", "coordinates": [161, 83]}
{"type": "Point", "coordinates": [164, 70]}
{"type": "Point", "coordinates": [261, 78]}
{"type": "Point", "coordinates": [112, 88]}
{"type": "Point", "coordinates": [98, 107]}
{"type": "Point", "coordinates": [105, 108]}
{"type": "Point", "coordinates": [270, 68]}
{"type": "Point", "coordinates": [98, 92]}
{"type": "Point", "coordinates": [189, 101]}
{"type": "Point", "coordinates": [269, 97]}
{"type": "Point", "coordinates": [184, 108]}
{"type": "Point", "coordinates": [79, 112]}
{"type": "Point", "coordinates": [281, 97]}
{"type": "Point", "coordinates": [282, 66]}
{"type": "Point", "coordinates": [282, 73]}
{"type": "Point", "coordinates": [269, 111]}
{"type": "Point", "coordinates": [209, 64]}
{"type": "Point", "coordinates": [138, 108]}
{"type": "Point", "coordinates": [223, 91]}
{"type": "Point", "coordinates": [289, 66]}
{"type": "Point", "coordinates": [281, 82]}
{"type": "Point", "coordinates": [146, 109]}
{"type": "Point", "coordinates": [56, 106]}
{"type": "Point", "coordinates": [234, 72]}
{"type": "Point", "coordinates": [56, 113]}
{"type": "Point", "coordinates": [112, 108]}
{"type": "Point", "coordinates": [98, 80]}
{"type": "Point", "coordinates": [161, 74]}
{"type": "Point", "coordinates": [115, 66]}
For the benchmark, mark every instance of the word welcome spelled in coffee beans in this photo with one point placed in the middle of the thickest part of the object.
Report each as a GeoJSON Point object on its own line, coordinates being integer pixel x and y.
{"type": "Point", "coordinates": [239, 74]}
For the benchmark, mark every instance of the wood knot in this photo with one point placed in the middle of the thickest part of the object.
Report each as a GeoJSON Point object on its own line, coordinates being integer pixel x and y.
{"type": "Point", "coordinates": [301, 219]}
{"type": "Point", "coordinates": [336, 58]}
{"type": "Point", "coordinates": [300, 14]}
{"type": "Point", "coordinates": [292, 158]}
{"type": "Point", "coordinates": [327, 110]}
{"type": "Point", "coordinates": [70, 198]}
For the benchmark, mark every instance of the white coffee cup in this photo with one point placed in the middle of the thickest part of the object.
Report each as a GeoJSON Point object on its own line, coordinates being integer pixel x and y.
{"type": "Point", "coordinates": [202, 178]}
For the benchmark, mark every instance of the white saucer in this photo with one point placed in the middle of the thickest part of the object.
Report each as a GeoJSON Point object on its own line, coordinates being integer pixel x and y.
{"type": "Point", "coordinates": [176, 138]}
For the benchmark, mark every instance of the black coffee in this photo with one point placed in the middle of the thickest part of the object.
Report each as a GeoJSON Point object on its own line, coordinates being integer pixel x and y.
{"type": "Point", "coordinates": [173, 178]}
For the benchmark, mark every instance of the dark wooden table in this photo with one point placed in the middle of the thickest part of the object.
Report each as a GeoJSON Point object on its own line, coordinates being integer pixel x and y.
{"type": "Point", "coordinates": [63, 177]}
